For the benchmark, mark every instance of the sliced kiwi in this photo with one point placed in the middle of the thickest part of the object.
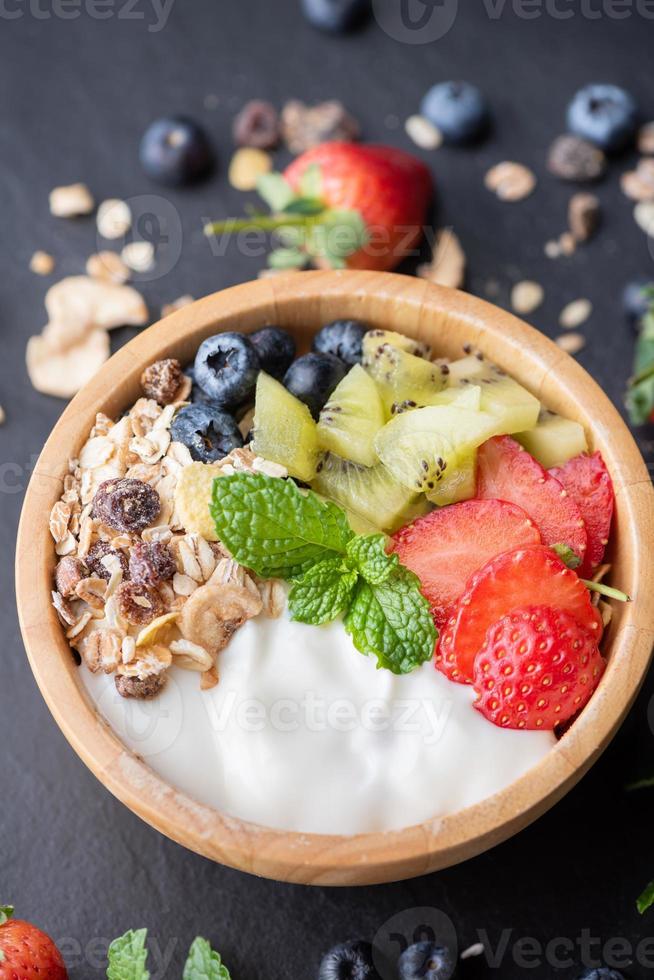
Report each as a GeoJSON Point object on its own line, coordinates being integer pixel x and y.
{"type": "Point", "coordinates": [371, 493]}
{"type": "Point", "coordinates": [459, 483]}
{"type": "Point", "coordinates": [419, 447]}
{"type": "Point", "coordinates": [515, 408]}
{"type": "Point", "coordinates": [284, 430]}
{"type": "Point", "coordinates": [554, 440]}
{"type": "Point", "coordinates": [374, 339]}
{"type": "Point", "coordinates": [352, 417]}
{"type": "Point", "coordinates": [404, 380]}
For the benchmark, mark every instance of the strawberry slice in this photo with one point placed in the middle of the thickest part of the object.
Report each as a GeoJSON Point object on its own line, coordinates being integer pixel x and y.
{"type": "Point", "coordinates": [506, 471]}
{"type": "Point", "coordinates": [533, 576]}
{"type": "Point", "coordinates": [448, 545]}
{"type": "Point", "coordinates": [587, 481]}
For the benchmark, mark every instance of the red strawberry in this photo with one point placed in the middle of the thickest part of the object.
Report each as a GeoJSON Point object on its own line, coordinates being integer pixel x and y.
{"type": "Point", "coordinates": [536, 669]}
{"type": "Point", "coordinates": [587, 480]}
{"type": "Point", "coordinates": [522, 577]}
{"type": "Point", "coordinates": [506, 471]}
{"type": "Point", "coordinates": [26, 953]}
{"type": "Point", "coordinates": [389, 188]}
{"type": "Point", "coordinates": [448, 545]}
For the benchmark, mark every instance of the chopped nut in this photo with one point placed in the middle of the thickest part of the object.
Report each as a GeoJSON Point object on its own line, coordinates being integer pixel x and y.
{"type": "Point", "coordinates": [92, 590]}
{"type": "Point", "coordinates": [645, 139]}
{"type": "Point", "coordinates": [107, 266]}
{"type": "Point", "coordinates": [584, 215]}
{"type": "Point", "coordinates": [567, 243]}
{"type": "Point", "coordinates": [42, 263]}
{"type": "Point", "coordinates": [190, 656]}
{"type": "Point", "coordinates": [213, 613]}
{"type": "Point", "coordinates": [247, 166]}
{"type": "Point", "coordinates": [573, 158]}
{"type": "Point", "coordinates": [63, 372]}
{"type": "Point", "coordinates": [114, 218]}
{"type": "Point", "coordinates": [575, 313]}
{"type": "Point", "coordinates": [423, 133]}
{"type": "Point", "coordinates": [101, 650]}
{"type": "Point", "coordinates": [527, 296]}
{"type": "Point", "coordinates": [138, 256]}
{"type": "Point", "coordinates": [571, 343]}
{"type": "Point", "coordinates": [142, 690]}
{"type": "Point", "coordinates": [208, 679]}
{"type": "Point", "coordinates": [176, 304]}
{"type": "Point", "coordinates": [68, 574]}
{"type": "Point", "coordinates": [448, 262]}
{"type": "Point", "coordinates": [306, 126]}
{"type": "Point", "coordinates": [269, 468]}
{"type": "Point", "coordinates": [510, 181]}
{"type": "Point", "coordinates": [644, 217]}
{"type": "Point", "coordinates": [638, 184]}
{"type": "Point", "coordinates": [71, 201]}
{"type": "Point", "coordinates": [257, 125]}
{"type": "Point", "coordinates": [64, 609]}
{"type": "Point", "coordinates": [161, 380]}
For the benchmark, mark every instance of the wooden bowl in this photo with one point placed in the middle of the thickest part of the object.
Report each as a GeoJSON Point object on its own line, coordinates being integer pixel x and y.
{"type": "Point", "coordinates": [448, 319]}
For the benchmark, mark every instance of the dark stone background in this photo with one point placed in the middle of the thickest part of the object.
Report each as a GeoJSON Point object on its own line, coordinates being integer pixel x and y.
{"type": "Point", "coordinates": [75, 95]}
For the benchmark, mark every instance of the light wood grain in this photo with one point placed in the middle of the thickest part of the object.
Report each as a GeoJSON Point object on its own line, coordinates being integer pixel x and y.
{"type": "Point", "coordinates": [448, 319]}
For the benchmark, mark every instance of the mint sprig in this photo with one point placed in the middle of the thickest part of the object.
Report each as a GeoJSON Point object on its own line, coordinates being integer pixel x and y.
{"type": "Point", "coordinates": [277, 530]}
{"type": "Point", "coordinates": [646, 898]}
{"type": "Point", "coordinates": [640, 392]}
{"type": "Point", "coordinates": [204, 963]}
{"type": "Point", "coordinates": [128, 956]}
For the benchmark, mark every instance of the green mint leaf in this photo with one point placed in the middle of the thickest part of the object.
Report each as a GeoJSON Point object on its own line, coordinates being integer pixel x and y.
{"type": "Point", "coordinates": [287, 258]}
{"type": "Point", "coordinates": [305, 205]}
{"type": "Point", "coordinates": [646, 899]}
{"type": "Point", "coordinates": [273, 528]}
{"type": "Point", "coordinates": [204, 963]}
{"type": "Point", "coordinates": [322, 592]}
{"type": "Point", "coordinates": [646, 783]}
{"type": "Point", "coordinates": [640, 393]}
{"type": "Point", "coordinates": [275, 191]}
{"type": "Point", "coordinates": [336, 236]}
{"type": "Point", "coordinates": [368, 552]}
{"type": "Point", "coordinates": [640, 400]}
{"type": "Point", "coordinates": [128, 957]}
{"type": "Point", "coordinates": [392, 621]}
{"type": "Point", "coordinates": [6, 912]}
{"type": "Point", "coordinates": [567, 555]}
{"type": "Point", "coordinates": [311, 181]}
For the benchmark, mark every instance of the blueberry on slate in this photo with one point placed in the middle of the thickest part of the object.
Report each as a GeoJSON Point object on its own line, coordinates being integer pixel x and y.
{"type": "Point", "coordinates": [348, 961]}
{"type": "Point", "coordinates": [342, 338]}
{"type": "Point", "coordinates": [276, 350]}
{"type": "Point", "coordinates": [312, 379]}
{"type": "Point", "coordinates": [207, 431]}
{"type": "Point", "coordinates": [635, 300]}
{"type": "Point", "coordinates": [426, 961]}
{"type": "Point", "coordinates": [175, 151]}
{"type": "Point", "coordinates": [335, 16]}
{"type": "Point", "coordinates": [226, 368]}
{"type": "Point", "coordinates": [604, 114]}
{"type": "Point", "coordinates": [601, 973]}
{"type": "Point", "coordinates": [457, 109]}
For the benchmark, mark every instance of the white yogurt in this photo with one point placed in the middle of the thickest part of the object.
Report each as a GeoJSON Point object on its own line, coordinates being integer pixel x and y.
{"type": "Point", "coordinates": [304, 733]}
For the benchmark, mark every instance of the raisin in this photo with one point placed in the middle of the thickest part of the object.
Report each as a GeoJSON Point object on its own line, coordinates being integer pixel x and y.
{"type": "Point", "coordinates": [162, 379]}
{"type": "Point", "coordinates": [138, 604]}
{"type": "Point", "coordinates": [100, 550]}
{"type": "Point", "coordinates": [584, 214]}
{"type": "Point", "coordinates": [134, 687]}
{"type": "Point", "coordinates": [68, 574]}
{"type": "Point", "coordinates": [306, 126]}
{"type": "Point", "coordinates": [257, 125]}
{"type": "Point", "coordinates": [573, 158]}
{"type": "Point", "coordinates": [126, 505]}
{"type": "Point", "coordinates": [151, 563]}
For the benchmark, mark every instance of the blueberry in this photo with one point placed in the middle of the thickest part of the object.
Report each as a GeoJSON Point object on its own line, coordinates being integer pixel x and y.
{"type": "Point", "coordinates": [207, 431]}
{"type": "Point", "coordinates": [335, 16]}
{"type": "Point", "coordinates": [312, 379]}
{"type": "Point", "coordinates": [226, 368]}
{"type": "Point", "coordinates": [426, 961]}
{"type": "Point", "coordinates": [457, 109]}
{"type": "Point", "coordinates": [604, 114]}
{"type": "Point", "coordinates": [175, 151]}
{"type": "Point", "coordinates": [601, 973]}
{"type": "Point", "coordinates": [342, 338]}
{"type": "Point", "coordinates": [276, 350]}
{"type": "Point", "coordinates": [348, 961]}
{"type": "Point", "coordinates": [635, 299]}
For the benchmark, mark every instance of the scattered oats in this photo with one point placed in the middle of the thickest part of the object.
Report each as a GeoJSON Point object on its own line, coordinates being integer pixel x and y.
{"type": "Point", "coordinates": [526, 296]}
{"type": "Point", "coordinates": [448, 261]}
{"type": "Point", "coordinates": [571, 343]}
{"type": "Point", "coordinates": [208, 679]}
{"type": "Point", "coordinates": [114, 218]}
{"type": "Point", "coordinates": [575, 313]}
{"type": "Point", "coordinates": [3, 416]}
{"type": "Point", "coordinates": [108, 266]}
{"type": "Point", "coordinates": [247, 165]}
{"type": "Point", "coordinates": [42, 263]}
{"type": "Point", "coordinates": [645, 139]}
{"type": "Point", "coordinates": [644, 215]}
{"type": "Point", "coordinates": [176, 304]}
{"type": "Point", "coordinates": [71, 201]}
{"type": "Point", "coordinates": [552, 249]}
{"type": "Point", "coordinates": [567, 243]}
{"type": "Point", "coordinates": [510, 181]}
{"type": "Point", "coordinates": [638, 184]}
{"type": "Point", "coordinates": [273, 597]}
{"type": "Point", "coordinates": [128, 649]}
{"type": "Point", "coordinates": [183, 584]}
{"type": "Point", "coordinates": [268, 468]}
{"type": "Point", "coordinates": [63, 373]}
{"type": "Point", "coordinates": [584, 215]}
{"type": "Point", "coordinates": [139, 256]}
{"type": "Point", "coordinates": [94, 303]}
{"type": "Point", "coordinates": [423, 133]}
{"type": "Point", "coordinates": [191, 656]}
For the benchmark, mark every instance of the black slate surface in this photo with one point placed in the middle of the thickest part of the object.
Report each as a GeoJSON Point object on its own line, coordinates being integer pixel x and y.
{"type": "Point", "coordinates": [77, 91]}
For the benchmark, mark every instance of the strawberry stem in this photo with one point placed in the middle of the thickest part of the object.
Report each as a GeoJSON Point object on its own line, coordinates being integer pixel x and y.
{"type": "Point", "coordinates": [266, 222]}
{"type": "Point", "coordinates": [606, 590]}
{"type": "Point", "coordinates": [6, 912]}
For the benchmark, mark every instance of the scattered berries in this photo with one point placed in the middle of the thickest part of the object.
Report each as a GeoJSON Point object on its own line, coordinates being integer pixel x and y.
{"type": "Point", "coordinates": [335, 16]}
{"type": "Point", "coordinates": [343, 339]}
{"type": "Point", "coordinates": [226, 368]}
{"type": "Point", "coordinates": [457, 109]}
{"type": "Point", "coordinates": [26, 953]}
{"type": "Point", "coordinates": [176, 151]}
{"type": "Point", "coordinates": [257, 125]}
{"type": "Point", "coordinates": [126, 505]}
{"type": "Point", "coordinates": [162, 380]}
{"type": "Point", "coordinates": [426, 961]}
{"type": "Point", "coordinates": [601, 973]}
{"type": "Point", "coordinates": [151, 563]}
{"type": "Point", "coordinates": [276, 350]}
{"type": "Point", "coordinates": [537, 668]}
{"type": "Point", "coordinates": [138, 604]}
{"type": "Point", "coordinates": [604, 114]}
{"type": "Point", "coordinates": [587, 481]}
{"type": "Point", "coordinates": [313, 377]}
{"type": "Point", "coordinates": [348, 961]}
{"type": "Point", "coordinates": [208, 432]}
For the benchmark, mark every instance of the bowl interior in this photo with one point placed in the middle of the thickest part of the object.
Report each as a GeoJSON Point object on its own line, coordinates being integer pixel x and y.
{"type": "Point", "coordinates": [448, 320]}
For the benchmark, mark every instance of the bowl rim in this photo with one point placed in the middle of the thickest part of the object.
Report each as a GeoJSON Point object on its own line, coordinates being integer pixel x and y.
{"type": "Point", "coordinates": [416, 307]}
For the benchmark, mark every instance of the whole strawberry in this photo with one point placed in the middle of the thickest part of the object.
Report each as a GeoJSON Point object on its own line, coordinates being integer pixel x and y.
{"type": "Point", "coordinates": [26, 953]}
{"type": "Point", "coordinates": [536, 669]}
